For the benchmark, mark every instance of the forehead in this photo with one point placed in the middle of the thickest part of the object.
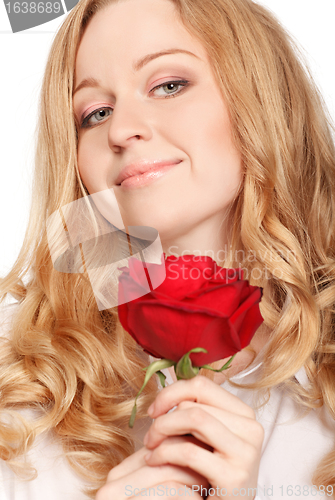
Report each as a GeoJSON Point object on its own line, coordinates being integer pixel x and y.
{"type": "Point", "coordinates": [127, 30]}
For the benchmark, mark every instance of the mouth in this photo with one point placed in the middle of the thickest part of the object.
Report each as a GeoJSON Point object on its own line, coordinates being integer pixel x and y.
{"type": "Point", "coordinates": [144, 173]}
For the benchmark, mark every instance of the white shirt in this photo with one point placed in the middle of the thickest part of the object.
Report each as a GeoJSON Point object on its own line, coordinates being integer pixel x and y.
{"type": "Point", "coordinates": [291, 449]}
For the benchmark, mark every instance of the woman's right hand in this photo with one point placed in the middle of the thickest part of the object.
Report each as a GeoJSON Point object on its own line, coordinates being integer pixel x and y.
{"type": "Point", "coordinates": [126, 480]}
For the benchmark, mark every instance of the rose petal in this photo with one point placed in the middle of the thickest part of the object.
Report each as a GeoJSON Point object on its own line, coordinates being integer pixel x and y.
{"type": "Point", "coordinates": [199, 304]}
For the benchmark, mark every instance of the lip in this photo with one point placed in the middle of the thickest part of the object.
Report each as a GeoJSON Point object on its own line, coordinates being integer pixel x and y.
{"type": "Point", "coordinates": [143, 171]}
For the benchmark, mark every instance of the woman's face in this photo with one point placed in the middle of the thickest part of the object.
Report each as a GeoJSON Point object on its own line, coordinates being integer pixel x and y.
{"type": "Point", "coordinates": [148, 95]}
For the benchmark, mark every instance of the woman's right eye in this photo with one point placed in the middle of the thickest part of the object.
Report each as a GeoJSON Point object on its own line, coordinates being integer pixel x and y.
{"type": "Point", "coordinates": [98, 114]}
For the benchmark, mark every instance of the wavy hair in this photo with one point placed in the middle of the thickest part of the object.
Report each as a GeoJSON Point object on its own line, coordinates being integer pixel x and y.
{"type": "Point", "coordinates": [73, 362]}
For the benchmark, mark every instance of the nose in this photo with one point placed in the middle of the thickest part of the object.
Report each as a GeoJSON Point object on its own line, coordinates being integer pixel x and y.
{"type": "Point", "coordinates": [129, 123]}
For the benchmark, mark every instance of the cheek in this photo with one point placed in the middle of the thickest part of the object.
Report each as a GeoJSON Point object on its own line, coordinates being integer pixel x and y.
{"type": "Point", "coordinates": [208, 136]}
{"type": "Point", "coordinates": [200, 126]}
{"type": "Point", "coordinates": [82, 163]}
{"type": "Point", "coordinates": [217, 164]}
{"type": "Point", "coordinates": [92, 166]}
{"type": "Point", "coordinates": [216, 128]}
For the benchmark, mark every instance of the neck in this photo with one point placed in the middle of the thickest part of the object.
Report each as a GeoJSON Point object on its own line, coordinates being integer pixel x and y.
{"type": "Point", "coordinates": [203, 239]}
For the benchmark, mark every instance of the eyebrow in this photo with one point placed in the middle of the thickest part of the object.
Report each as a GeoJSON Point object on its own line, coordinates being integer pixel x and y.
{"type": "Point", "coordinates": [92, 82]}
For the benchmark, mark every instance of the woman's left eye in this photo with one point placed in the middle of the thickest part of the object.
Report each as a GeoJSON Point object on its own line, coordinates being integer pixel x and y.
{"type": "Point", "coordinates": [170, 88]}
{"type": "Point", "coordinates": [99, 115]}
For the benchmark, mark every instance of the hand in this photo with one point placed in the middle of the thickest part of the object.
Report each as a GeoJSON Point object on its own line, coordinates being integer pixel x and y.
{"type": "Point", "coordinates": [215, 417]}
{"type": "Point", "coordinates": [126, 480]}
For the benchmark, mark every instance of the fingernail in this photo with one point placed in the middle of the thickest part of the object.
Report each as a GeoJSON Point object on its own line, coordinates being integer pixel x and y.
{"type": "Point", "coordinates": [148, 455]}
{"type": "Point", "coordinates": [151, 409]}
{"type": "Point", "coordinates": [146, 439]}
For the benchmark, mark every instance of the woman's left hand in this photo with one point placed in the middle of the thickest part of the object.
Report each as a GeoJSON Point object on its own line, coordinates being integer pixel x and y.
{"type": "Point", "coordinates": [216, 418]}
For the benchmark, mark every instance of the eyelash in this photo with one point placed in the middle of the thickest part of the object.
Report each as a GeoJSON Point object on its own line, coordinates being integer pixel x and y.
{"type": "Point", "coordinates": [182, 83]}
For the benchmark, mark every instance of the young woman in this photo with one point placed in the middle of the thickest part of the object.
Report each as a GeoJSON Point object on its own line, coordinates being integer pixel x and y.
{"type": "Point", "coordinates": [213, 90]}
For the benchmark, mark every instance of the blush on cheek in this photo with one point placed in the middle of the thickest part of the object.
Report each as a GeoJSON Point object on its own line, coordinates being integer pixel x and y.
{"type": "Point", "coordinates": [94, 165]}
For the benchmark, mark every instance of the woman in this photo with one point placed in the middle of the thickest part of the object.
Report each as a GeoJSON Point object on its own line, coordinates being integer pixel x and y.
{"type": "Point", "coordinates": [248, 139]}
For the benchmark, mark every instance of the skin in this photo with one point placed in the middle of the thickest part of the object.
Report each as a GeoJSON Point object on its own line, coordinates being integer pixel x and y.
{"type": "Point", "coordinates": [212, 438]}
{"type": "Point", "coordinates": [193, 125]}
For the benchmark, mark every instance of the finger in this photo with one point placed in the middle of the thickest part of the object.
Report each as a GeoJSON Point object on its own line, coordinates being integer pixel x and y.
{"type": "Point", "coordinates": [244, 427]}
{"type": "Point", "coordinates": [201, 390]}
{"type": "Point", "coordinates": [147, 477]}
{"type": "Point", "coordinates": [183, 439]}
{"type": "Point", "coordinates": [201, 425]}
{"type": "Point", "coordinates": [136, 461]}
{"type": "Point", "coordinates": [128, 465]}
{"type": "Point", "coordinates": [217, 469]}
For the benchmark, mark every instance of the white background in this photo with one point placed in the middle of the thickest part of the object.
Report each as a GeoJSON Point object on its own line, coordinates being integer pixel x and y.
{"type": "Point", "coordinates": [23, 56]}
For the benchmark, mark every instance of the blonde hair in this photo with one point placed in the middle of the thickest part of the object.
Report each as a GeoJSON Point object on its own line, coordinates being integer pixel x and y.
{"type": "Point", "coordinates": [72, 361]}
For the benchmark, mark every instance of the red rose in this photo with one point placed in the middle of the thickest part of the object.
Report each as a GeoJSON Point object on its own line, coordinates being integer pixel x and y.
{"type": "Point", "coordinates": [199, 304]}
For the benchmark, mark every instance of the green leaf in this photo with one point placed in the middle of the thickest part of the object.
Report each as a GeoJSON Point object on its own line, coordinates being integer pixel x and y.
{"type": "Point", "coordinates": [154, 367]}
{"type": "Point", "coordinates": [184, 368]}
{"type": "Point", "coordinates": [224, 367]}
{"type": "Point", "coordinates": [133, 416]}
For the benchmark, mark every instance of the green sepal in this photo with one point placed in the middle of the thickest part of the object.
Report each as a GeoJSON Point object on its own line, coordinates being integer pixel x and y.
{"type": "Point", "coordinates": [224, 367]}
{"type": "Point", "coordinates": [161, 377]}
{"type": "Point", "coordinates": [154, 367]}
{"type": "Point", "coordinates": [184, 368]}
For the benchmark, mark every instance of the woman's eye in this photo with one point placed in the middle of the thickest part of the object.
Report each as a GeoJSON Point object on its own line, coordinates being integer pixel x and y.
{"type": "Point", "coordinates": [170, 88]}
{"type": "Point", "coordinates": [97, 116]}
